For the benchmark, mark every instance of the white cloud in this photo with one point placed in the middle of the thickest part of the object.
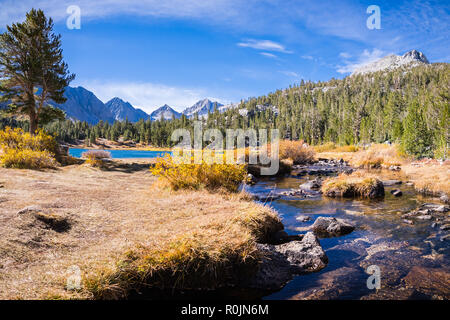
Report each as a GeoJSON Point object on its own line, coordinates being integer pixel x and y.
{"type": "Point", "coordinates": [148, 96]}
{"type": "Point", "coordinates": [291, 74]}
{"type": "Point", "coordinates": [345, 55]}
{"type": "Point", "coordinates": [267, 45]}
{"type": "Point", "coordinates": [269, 55]}
{"type": "Point", "coordinates": [364, 58]}
{"type": "Point", "coordinates": [306, 57]}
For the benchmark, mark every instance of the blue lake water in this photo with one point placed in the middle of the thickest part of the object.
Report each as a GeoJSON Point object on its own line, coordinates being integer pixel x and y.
{"type": "Point", "coordinates": [123, 154]}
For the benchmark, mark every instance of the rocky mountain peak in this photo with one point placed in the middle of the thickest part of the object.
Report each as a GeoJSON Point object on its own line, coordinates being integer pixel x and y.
{"type": "Point", "coordinates": [415, 55]}
{"type": "Point", "coordinates": [411, 58]}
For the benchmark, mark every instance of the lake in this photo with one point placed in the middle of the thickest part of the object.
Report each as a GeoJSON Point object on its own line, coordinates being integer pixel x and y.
{"type": "Point", "coordinates": [123, 154]}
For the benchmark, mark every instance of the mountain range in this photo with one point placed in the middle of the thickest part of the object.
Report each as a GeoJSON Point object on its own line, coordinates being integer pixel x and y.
{"type": "Point", "coordinates": [83, 105]}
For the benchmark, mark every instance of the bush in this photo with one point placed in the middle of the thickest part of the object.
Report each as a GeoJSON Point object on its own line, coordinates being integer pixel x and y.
{"type": "Point", "coordinates": [27, 159]}
{"type": "Point", "coordinates": [332, 147]}
{"type": "Point", "coordinates": [377, 156]}
{"type": "Point", "coordinates": [95, 157]}
{"type": "Point", "coordinates": [197, 176]}
{"type": "Point", "coordinates": [298, 151]}
{"type": "Point", "coordinates": [96, 154]}
{"type": "Point", "coordinates": [358, 184]}
{"type": "Point", "coordinates": [26, 151]}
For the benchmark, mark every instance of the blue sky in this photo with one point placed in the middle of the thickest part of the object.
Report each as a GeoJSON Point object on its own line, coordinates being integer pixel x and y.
{"type": "Point", "coordinates": [152, 52]}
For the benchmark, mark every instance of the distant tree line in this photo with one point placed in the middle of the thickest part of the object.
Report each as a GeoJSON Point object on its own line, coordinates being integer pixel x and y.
{"type": "Point", "coordinates": [407, 106]}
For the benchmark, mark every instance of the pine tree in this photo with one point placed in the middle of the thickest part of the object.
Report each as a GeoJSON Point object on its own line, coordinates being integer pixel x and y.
{"type": "Point", "coordinates": [33, 70]}
{"type": "Point", "coordinates": [417, 139]}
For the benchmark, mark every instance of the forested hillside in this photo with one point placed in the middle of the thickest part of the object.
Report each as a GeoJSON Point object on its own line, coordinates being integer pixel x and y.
{"type": "Point", "coordinates": [409, 106]}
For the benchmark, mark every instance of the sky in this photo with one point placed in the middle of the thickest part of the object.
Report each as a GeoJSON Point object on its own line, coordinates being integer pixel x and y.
{"type": "Point", "coordinates": [176, 52]}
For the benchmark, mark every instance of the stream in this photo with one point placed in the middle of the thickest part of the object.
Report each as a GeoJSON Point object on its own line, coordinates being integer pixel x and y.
{"type": "Point", "coordinates": [412, 258]}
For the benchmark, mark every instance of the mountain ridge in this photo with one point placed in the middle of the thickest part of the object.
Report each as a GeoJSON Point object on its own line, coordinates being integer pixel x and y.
{"type": "Point", "coordinates": [411, 59]}
{"type": "Point", "coordinates": [122, 110]}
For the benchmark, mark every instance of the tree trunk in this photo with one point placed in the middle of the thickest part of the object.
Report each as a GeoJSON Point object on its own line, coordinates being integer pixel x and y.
{"type": "Point", "coordinates": [33, 123]}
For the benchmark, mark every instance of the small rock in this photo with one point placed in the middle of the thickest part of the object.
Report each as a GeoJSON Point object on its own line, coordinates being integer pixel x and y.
{"type": "Point", "coordinates": [396, 192]}
{"type": "Point", "coordinates": [303, 218]}
{"type": "Point", "coordinates": [408, 221]}
{"type": "Point", "coordinates": [331, 227]}
{"type": "Point", "coordinates": [444, 198]}
{"type": "Point", "coordinates": [250, 180]}
{"type": "Point", "coordinates": [394, 168]}
{"type": "Point", "coordinates": [391, 182]}
{"type": "Point", "coordinates": [312, 185]}
{"type": "Point", "coordinates": [442, 209]}
{"type": "Point", "coordinates": [30, 209]}
{"type": "Point", "coordinates": [445, 227]}
{"type": "Point", "coordinates": [424, 217]}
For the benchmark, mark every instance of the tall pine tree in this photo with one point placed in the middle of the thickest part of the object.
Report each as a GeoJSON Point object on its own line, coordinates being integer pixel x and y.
{"type": "Point", "coordinates": [33, 70]}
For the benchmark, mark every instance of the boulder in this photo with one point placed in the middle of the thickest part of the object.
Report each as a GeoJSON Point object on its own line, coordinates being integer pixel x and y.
{"type": "Point", "coordinates": [304, 256]}
{"type": "Point", "coordinates": [281, 237]}
{"type": "Point", "coordinates": [331, 227]}
{"type": "Point", "coordinates": [315, 184]}
{"type": "Point", "coordinates": [274, 270]}
{"type": "Point", "coordinates": [280, 262]}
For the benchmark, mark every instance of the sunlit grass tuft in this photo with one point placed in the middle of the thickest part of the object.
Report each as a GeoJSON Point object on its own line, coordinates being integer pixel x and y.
{"type": "Point", "coordinates": [358, 184]}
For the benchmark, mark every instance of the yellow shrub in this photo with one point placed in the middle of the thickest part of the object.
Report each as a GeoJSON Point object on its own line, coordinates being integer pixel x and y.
{"type": "Point", "coordinates": [197, 176]}
{"type": "Point", "coordinates": [23, 150]}
{"type": "Point", "coordinates": [95, 157]}
{"type": "Point", "coordinates": [18, 139]}
{"type": "Point", "coordinates": [297, 151]}
{"type": "Point", "coordinates": [377, 156]}
{"type": "Point", "coordinates": [27, 159]}
{"type": "Point", "coordinates": [331, 146]}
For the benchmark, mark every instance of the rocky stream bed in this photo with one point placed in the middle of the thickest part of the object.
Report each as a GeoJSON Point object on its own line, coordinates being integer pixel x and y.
{"type": "Point", "coordinates": [329, 243]}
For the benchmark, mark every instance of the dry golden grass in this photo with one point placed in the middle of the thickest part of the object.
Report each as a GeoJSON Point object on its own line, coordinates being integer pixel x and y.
{"type": "Point", "coordinates": [332, 147]}
{"type": "Point", "coordinates": [205, 175]}
{"type": "Point", "coordinates": [429, 178]}
{"type": "Point", "coordinates": [376, 156]}
{"type": "Point", "coordinates": [297, 151]}
{"type": "Point", "coordinates": [123, 233]}
{"type": "Point", "coordinates": [357, 184]}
